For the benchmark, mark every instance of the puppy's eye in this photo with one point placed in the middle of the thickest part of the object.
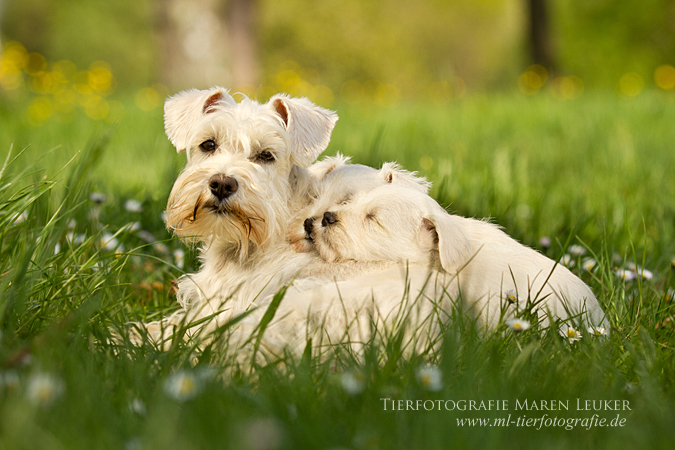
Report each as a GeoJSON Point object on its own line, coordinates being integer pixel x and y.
{"type": "Point", "coordinates": [370, 215]}
{"type": "Point", "coordinates": [208, 146]}
{"type": "Point", "coordinates": [345, 200]}
{"type": "Point", "coordinates": [265, 156]}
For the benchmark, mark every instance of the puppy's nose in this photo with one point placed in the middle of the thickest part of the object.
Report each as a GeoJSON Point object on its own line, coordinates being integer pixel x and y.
{"type": "Point", "coordinates": [222, 186]}
{"type": "Point", "coordinates": [309, 226]}
{"type": "Point", "coordinates": [329, 218]}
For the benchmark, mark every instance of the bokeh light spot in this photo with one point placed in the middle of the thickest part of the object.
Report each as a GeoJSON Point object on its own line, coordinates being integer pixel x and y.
{"type": "Point", "coordinates": [532, 80]}
{"type": "Point", "coordinates": [631, 84]}
{"type": "Point", "coordinates": [664, 77]}
{"type": "Point", "coordinates": [147, 99]}
{"type": "Point", "coordinates": [352, 92]}
{"type": "Point", "coordinates": [567, 88]}
{"type": "Point", "coordinates": [426, 163]}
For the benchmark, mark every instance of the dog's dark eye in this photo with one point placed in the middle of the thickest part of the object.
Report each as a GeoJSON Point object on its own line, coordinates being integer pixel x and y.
{"type": "Point", "coordinates": [208, 146]}
{"type": "Point", "coordinates": [265, 156]}
{"type": "Point", "coordinates": [370, 215]}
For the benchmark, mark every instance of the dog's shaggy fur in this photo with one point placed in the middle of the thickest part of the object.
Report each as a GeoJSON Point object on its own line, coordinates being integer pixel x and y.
{"type": "Point", "coordinates": [245, 177]}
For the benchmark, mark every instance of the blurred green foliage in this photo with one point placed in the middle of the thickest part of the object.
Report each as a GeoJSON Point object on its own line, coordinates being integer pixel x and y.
{"type": "Point", "coordinates": [600, 40]}
{"type": "Point", "coordinates": [423, 48]}
{"type": "Point", "coordinates": [120, 33]}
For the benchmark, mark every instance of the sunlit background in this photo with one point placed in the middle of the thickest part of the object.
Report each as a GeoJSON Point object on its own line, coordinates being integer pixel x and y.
{"type": "Point", "coordinates": [61, 57]}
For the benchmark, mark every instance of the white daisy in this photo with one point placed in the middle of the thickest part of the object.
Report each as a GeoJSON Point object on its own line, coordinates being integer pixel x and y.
{"type": "Point", "coordinates": [132, 205]}
{"type": "Point", "coordinates": [588, 264]}
{"type": "Point", "coordinates": [137, 406]}
{"type": "Point", "coordinates": [21, 217]}
{"type": "Point", "coordinates": [182, 386]}
{"type": "Point", "coordinates": [576, 250]}
{"type": "Point", "coordinates": [670, 294]}
{"type": "Point", "coordinates": [626, 275]}
{"type": "Point", "coordinates": [97, 197]}
{"type": "Point", "coordinates": [134, 227]}
{"type": "Point", "coordinates": [511, 296]}
{"type": "Point", "coordinates": [43, 389]}
{"type": "Point", "coordinates": [597, 331]}
{"type": "Point", "coordinates": [109, 242]}
{"type": "Point", "coordinates": [644, 273]}
{"type": "Point", "coordinates": [572, 334]}
{"type": "Point", "coordinates": [518, 325]}
{"type": "Point", "coordinates": [430, 378]}
{"type": "Point", "coordinates": [567, 260]}
{"type": "Point", "coordinates": [179, 256]}
{"type": "Point", "coordinates": [353, 382]}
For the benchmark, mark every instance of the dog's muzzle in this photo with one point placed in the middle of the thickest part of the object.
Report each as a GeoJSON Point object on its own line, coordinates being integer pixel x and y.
{"type": "Point", "coordinates": [308, 225]}
{"type": "Point", "coordinates": [329, 218]}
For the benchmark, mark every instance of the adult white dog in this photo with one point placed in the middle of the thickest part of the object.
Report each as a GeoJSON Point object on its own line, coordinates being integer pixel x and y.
{"type": "Point", "coordinates": [245, 178]}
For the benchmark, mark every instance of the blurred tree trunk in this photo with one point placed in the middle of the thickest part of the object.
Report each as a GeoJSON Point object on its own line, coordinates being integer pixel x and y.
{"type": "Point", "coordinates": [1, 6]}
{"type": "Point", "coordinates": [243, 42]}
{"type": "Point", "coordinates": [541, 46]}
{"type": "Point", "coordinates": [207, 42]}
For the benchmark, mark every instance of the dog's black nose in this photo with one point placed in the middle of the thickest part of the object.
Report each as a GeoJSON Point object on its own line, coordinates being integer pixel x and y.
{"type": "Point", "coordinates": [309, 226]}
{"type": "Point", "coordinates": [222, 186]}
{"type": "Point", "coordinates": [329, 218]}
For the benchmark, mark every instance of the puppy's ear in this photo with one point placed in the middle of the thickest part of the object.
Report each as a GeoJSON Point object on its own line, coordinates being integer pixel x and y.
{"type": "Point", "coordinates": [392, 173]}
{"type": "Point", "coordinates": [327, 165]}
{"type": "Point", "coordinates": [440, 231]}
{"type": "Point", "coordinates": [309, 126]}
{"type": "Point", "coordinates": [183, 110]}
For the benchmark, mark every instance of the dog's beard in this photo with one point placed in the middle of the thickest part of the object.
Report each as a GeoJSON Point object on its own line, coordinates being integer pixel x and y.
{"type": "Point", "coordinates": [196, 216]}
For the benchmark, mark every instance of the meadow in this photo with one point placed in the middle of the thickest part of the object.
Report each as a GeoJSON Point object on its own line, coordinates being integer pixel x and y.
{"type": "Point", "coordinates": [83, 248]}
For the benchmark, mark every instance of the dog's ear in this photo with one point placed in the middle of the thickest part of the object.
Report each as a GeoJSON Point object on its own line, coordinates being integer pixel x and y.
{"type": "Point", "coordinates": [322, 168]}
{"type": "Point", "coordinates": [183, 110]}
{"type": "Point", "coordinates": [309, 126]}
{"type": "Point", "coordinates": [392, 173]}
{"type": "Point", "coordinates": [442, 232]}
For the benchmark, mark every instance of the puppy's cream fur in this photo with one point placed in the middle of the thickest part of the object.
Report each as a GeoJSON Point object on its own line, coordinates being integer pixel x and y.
{"type": "Point", "coordinates": [397, 223]}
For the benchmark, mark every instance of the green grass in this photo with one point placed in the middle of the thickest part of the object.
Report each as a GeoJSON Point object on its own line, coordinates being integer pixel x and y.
{"type": "Point", "coordinates": [595, 171]}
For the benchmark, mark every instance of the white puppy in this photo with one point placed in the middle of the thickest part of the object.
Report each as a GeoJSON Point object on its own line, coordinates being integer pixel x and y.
{"type": "Point", "coordinates": [490, 270]}
{"type": "Point", "coordinates": [442, 259]}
